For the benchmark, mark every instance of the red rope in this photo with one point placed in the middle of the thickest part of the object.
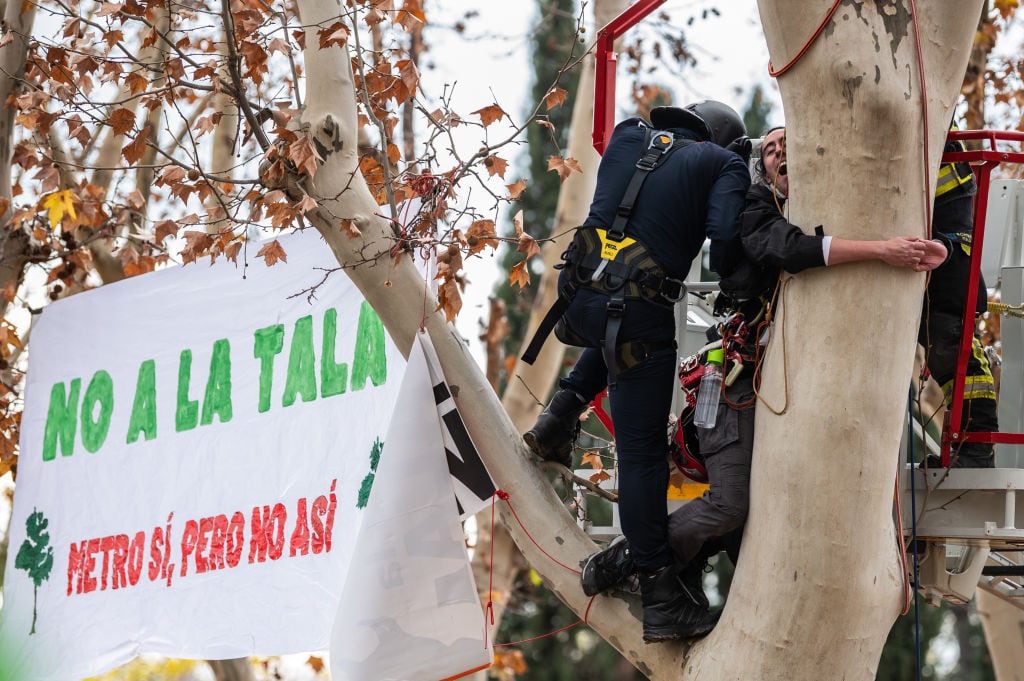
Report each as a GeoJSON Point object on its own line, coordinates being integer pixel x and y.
{"type": "Point", "coordinates": [503, 495]}
{"type": "Point", "coordinates": [775, 73]}
{"type": "Point", "coordinates": [907, 589]}
{"type": "Point", "coordinates": [489, 610]}
{"type": "Point", "coordinates": [537, 638]}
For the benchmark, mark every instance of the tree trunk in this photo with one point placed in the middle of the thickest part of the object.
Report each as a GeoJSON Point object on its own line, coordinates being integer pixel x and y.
{"type": "Point", "coordinates": [18, 19]}
{"type": "Point", "coordinates": [1003, 624]}
{"type": "Point", "coordinates": [238, 669]}
{"type": "Point", "coordinates": [855, 138]}
{"type": "Point", "coordinates": [819, 582]}
{"type": "Point", "coordinates": [395, 290]}
{"type": "Point", "coordinates": [529, 386]}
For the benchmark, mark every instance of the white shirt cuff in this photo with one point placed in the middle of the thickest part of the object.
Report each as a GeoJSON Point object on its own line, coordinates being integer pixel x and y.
{"type": "Point", "coordinates": [826, 244]}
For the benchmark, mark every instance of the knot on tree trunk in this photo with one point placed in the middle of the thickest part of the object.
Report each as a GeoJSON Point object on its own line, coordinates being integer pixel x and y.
{"type": "Point", "coordinates": [327, 136]}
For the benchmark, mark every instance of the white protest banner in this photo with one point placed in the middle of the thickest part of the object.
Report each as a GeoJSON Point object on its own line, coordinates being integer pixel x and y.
{"type": "Point", "coordinates": [410, 610]}
{"type": "Point", "coordinates": [196, 445]}
{"type": "Point", "coordinates": [473, 484]}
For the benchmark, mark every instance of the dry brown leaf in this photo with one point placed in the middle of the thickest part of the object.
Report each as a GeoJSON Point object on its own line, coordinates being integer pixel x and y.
{"type": "Point", "coordinates": [449, 299]}
{"type": "Point", "coordinates": [480, 234]}
{"type": "Point", "coordinates": [164, 229]}
{"type": "Point", "coordinates": [554, 97]}
{"type": "Point", "coordinates": [593, 459]}
{"type": "Point", "coordinates": [307, 204]}
{"type": "Point", "coordinates": [515, 189]}
{"type": "Point", "coordinates": [528, 245]}
{"type": "Point", "coordinates": [196, 244]}
{"type": "Point", "coordinates": [495, 166]}
{"type": "Point", "coordinates": [519, 275]}
{"type": "Point", "coordinates": [303, 154]}
{"type": "Point", "coordinates": [490, 114]}
{"type": "Point", "coordinates": [335, 34]}
{"type": "Point", "coordinates": [121, 120]}
{"type": "Point", "coordinates": [517, 222]}
{"type": "Point", "coordinates": [134, 150]}
{"type": "Point", "coordinates": [171, 174]}
{"type": "Point", "coordinates": [564, 166]}
{"type": "Point", "coordinates": [231, 252]}
{"type": "Point", "coordinates": [410, 76]}
{"type": "Point", "coordinates": [272, 252]}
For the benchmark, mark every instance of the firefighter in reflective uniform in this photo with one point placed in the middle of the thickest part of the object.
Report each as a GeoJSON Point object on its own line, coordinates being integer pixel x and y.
{"type": "Point", "coordinates": [942, 319]}
{"type": "Point", "coordinates": [695, 193]}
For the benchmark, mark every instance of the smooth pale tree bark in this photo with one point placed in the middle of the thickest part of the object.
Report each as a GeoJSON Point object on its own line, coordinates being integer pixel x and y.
{"type": "Point", "coordinates": [819, 581]}
{"type": "Point", "coordinates": [530, 386]}
{"type": "Point", "coordinates": [109, 153]}
{"type": "Point", "coordinates": [1003, 624]}
{"type": "Point", "coordinates": [396, 293]}
{"type": "Point", "coordinates": [237, 669]}
{"type": "Point", "coordinates": [819, 584]}
{"type": "Point", "coordinates": [18, 19]}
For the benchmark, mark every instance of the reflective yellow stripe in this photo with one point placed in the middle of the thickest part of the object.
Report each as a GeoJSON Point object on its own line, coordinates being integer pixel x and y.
{"type": "Point", "coordinates": [980, 386]}
{"type": "Point", "coordinates": [975, 387]}
{"type": "Point", "coordinates": [950, 178]}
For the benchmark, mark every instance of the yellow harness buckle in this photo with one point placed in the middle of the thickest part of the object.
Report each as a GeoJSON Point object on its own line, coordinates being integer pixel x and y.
{"type": "Point", "coordinates": [611, 248]}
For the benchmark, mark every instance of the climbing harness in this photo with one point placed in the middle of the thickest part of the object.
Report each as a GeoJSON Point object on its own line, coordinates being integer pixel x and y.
{"type": "Point", "coordinates": [606, 260]}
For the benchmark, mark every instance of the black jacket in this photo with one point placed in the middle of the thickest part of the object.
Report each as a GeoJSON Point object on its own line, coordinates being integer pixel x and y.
{"type": "Point", "coordinates": [696, 192]}
{"type": "Point", "coordinates": [770, 244]}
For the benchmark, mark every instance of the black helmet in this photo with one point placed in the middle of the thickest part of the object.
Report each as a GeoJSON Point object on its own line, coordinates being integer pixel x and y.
{"type": "Point", "coordinates": [713, 121]}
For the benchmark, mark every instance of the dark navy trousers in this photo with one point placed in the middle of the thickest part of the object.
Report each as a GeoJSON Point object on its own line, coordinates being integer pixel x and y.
{"type": "Point", "coordinates": [640, 404]}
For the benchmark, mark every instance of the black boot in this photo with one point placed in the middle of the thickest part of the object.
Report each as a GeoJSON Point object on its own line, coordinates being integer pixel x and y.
{"type": "Point", "coordinates": [693, 577]}
{"type": "Point", "coordinates": [672, 610]}
{"type": "Point", "coordinates": [552, 436]}
{"type": "Point", "coordinates": [608, 567]}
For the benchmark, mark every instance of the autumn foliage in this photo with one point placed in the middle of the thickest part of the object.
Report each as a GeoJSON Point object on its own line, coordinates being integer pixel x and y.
{"type": "Point", "coordinates": [146, 136]}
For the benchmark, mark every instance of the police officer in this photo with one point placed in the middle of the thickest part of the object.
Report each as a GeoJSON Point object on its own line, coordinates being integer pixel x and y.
{"type": "Point", "coordinates": [694, 191]}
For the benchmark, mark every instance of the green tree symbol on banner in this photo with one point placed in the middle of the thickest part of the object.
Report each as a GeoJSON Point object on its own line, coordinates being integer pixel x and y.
{"type": "Point", "coordinates": [35, 555]}
{"type": "Point", "coordinates": [364, 489]}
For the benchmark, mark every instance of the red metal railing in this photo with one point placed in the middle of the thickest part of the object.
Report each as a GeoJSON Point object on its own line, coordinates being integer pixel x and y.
{"type": "Point", "coordinates": [604, 77]}
{"type": "Point", "coordinates": [984, 162]}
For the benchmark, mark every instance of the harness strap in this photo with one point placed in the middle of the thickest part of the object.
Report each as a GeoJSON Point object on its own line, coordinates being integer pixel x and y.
{"type": "Point", "coordinates": [555, 313]}
{"type": "Point", "coordinates": [614, 312]}
{"type": "Point", "coordinates": [658, 145]}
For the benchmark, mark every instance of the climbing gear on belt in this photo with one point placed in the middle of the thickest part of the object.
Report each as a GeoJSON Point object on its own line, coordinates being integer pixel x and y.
{"type": "Point", "coordinates": [606, 260]}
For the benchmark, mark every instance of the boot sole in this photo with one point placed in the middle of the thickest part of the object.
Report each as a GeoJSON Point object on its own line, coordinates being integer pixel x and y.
{"type": "Point", "coordinates": [564, 458]}
{"type": "Point", "coordinates": [675, 634]}
{"type": "Point", "coordinates": [588, 584]}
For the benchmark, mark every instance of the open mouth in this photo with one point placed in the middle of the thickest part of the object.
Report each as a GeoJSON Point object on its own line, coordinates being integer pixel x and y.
{"type": "Point", "coordinates": [783, 168]}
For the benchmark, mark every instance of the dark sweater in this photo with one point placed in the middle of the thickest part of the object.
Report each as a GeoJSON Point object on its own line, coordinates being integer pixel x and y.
{"type": "Point", "coordinates": [770, 244]}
